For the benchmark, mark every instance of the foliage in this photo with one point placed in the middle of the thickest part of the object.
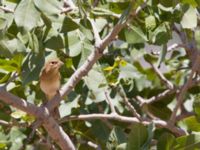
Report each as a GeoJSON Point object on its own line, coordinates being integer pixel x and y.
{"type": "Point", "coordinates": [37, 29]}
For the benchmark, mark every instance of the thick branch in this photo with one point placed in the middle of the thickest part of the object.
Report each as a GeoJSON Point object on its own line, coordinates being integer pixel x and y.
{"type": "Point", "coordinates": [50, 124]}
{"type": "Point", "coordinates": [17, 102]}
{"type": "Point", "coordinates": [57, 134]}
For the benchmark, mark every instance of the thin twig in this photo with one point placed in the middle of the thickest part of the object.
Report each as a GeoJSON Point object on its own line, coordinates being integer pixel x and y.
{"type": "Point", "coordinates": [5, 123]}
{"type": "Point", "coordinates": [170, 48]}
{"type": "Point", "coordinates": [167, 83]}
{"type": "Point", "coordinates": [184, 115]}
{"type": "Point", "coordinates": [112, 107]}
{"type": "Point", "coordinates": [97, 37]}
{"type": "Point", "coordinates": [129, 105]}
{"type": "Point", "coordinates": [95, 3]}
{"type": "Point", "coordinates": [159, 123]}
{"type": "Point", "coordinates": [12, 78]}
{"type": "Point", "coordinates": [68, 6]}
{"type": "Point", "coordinates": [164, 94]}
{"type": "Point", "coordinates": [6, 9]}
{"type": "Point", "coordinates": [184, 90]}
{"type": "Point", "coordinates": [110, 126]}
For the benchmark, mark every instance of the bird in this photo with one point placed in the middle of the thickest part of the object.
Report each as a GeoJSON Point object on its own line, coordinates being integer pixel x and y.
{"type": "Point", "coordinates": [50, 80]}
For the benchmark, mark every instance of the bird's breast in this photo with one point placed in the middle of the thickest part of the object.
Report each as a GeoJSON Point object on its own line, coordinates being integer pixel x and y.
{"type": "Point", "coordinates": [50, 87]}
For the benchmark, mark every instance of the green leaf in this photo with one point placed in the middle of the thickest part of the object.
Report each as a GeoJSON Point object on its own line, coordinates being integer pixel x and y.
{"type": "Point", "coordinates": [50, 8]}
{"type": "Point", "coordinates": [16, 137]}
{"type": "Point", "coordinates": [189, 20]}
{"type": "Point", "coordinates": [6, 20]}
{"type": "Point", "coordinates": [166, 3]}
{"type": "Point", "coordinates": [103, 12]}
{"type": "Point", "coordinates": [196, 105]}
{"type": "Point", "coordinates": [150, 58]}
{"type": "Point", "coordinates": [125, 14]}
{"type": "Point", "coordinates": [93, 80]}
{"type": "Point", "coordinates": [150, 130]}
{"type": "Point", "coordinates": [9, 47]}
{"type": "Point", "coordinates": [150, 22]}
{"type": "Point", "coordinates": [137, 137]}
{"type": "Point", "coordinates": [32, 65]}
{"type": "Point", "coordinates": [75, 44]}
{"type": "Point", "coordinates": [5, 78]}
{"type": "Point", "coordinates": [69, 25]}
{"type": "Point", "coordinates": [3, 23]}
{"type": "Point", "coordinates": [118, 7]}
{"type": "Point", "coordinates": [193, 3]}
{"type": "Point", "coordinates": [100, 131]}
{"type": "Point", "coordinates": [121, 146]}
{"type": "Point", "coordinates": [116, 137]}
{"type": "Point", "coordinates": [18, 114]}
{"type": "Point", "coordinates": [10, 65]}
{"type": "Point", "coordinates": [197, 38]}
{"type": "Point", "coordinates": [66, 108]}
{"type": "Point", "coordinates": [188, 142]}
{"type": "Point", "coordinates": [85, 28]}
{"type": "Point", "coordinates": [128, 72]}
{"type": "Point", "coordinates": [162, 55]}
{"type": "Point", "coordinates": [34, 43]}
{"type": "Point", "coordinates": [87, 49]}
{"type": "Point", "coordinates": [26, 15]}
{"type": "Point", "coordinates": [191, 123]}
{"type": "Point", "coordinates": [166, 142]}
{"type": "Point", "coordinates": [3, 140]}
{"type": "Point", "coordinates": [54, 40]}
{"type": "Point", "coordinates": [161, 35]}
{"type": "Point", "coordinates": [160, 111]}
{"type": "Point", "coordinates": [135, 35]}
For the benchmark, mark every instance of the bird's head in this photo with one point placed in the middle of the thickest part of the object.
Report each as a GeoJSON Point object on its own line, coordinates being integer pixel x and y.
{"type": "Point", "coordinates": [53, 65]}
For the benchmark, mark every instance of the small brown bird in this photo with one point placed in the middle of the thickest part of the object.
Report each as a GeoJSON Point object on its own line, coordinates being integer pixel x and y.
{"type": "Point", "coordinates": [50, 78]}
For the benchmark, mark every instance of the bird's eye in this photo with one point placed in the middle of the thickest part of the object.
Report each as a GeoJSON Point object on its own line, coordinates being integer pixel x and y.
{"type": "Point", "coordinates": [54, 62]}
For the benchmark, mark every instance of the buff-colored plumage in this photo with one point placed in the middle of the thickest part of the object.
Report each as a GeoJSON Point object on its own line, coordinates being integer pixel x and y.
{"type": "Point", "coordinates": [50, 78]}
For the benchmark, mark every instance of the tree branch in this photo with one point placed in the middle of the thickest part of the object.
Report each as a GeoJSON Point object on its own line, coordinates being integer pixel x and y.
{"type": "Point", "coordinates": [112, 107]}
{"type": "Point", "coordinates": [49, 123]}
{"type": "Point", "coordinates": [4, 123]}
{"type": "Point", "coordinates": [170, 48]}
{"type": "Point", "coordinates": [167, 83]}
{"type": "Point", "coordinates": [184, 89]}
{"type": "Point", "coordinates": [164, 94]}
{"type": "Point", "coordinates": [55, 131]}
{"type": "Point", "coordinates": [97, 37]}
{"type": "Point", "coordinates": [6, 9]}
{"type": "Point", "coordinates": [68, 6]}
{"type": "Point", "coordinates": [92, 59]}
{"type": "Point", "coordinates": [159, 123]}
{"type": "Point", "coordinates": [129, 105]}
